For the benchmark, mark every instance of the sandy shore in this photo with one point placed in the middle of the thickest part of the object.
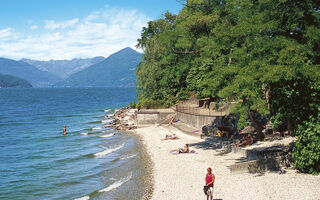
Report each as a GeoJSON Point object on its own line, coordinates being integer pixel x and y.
{"type": "Point", "coordinates": [182, 176]}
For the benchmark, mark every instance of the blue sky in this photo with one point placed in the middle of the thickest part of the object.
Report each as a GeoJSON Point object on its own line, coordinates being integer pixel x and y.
{"type": "Point", "coordinates": [65, 29]}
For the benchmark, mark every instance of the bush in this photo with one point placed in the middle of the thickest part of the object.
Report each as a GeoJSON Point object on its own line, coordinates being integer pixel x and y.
{"type": "Point", "coordinates": [307, 148]}
{"type": "Point", "coordinates": [133, 104]}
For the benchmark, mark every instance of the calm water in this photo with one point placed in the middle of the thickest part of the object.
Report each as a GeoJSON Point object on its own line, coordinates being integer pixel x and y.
{"type": "Point", "coordinates": [90, 162]}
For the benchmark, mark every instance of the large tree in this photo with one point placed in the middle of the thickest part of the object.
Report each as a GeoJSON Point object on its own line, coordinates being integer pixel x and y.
{"type": "Point", "coordinates": [264, 54]}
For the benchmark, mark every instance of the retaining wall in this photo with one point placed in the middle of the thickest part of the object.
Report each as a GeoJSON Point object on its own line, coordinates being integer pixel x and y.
{"type": "Point", "coordinates": [197, 121]}
{"type": "Point", "coordinates": [151, 117]}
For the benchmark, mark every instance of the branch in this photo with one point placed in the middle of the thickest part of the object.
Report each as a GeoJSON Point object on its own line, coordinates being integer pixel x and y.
{"type": "Point", "coordinates": [186, 51]}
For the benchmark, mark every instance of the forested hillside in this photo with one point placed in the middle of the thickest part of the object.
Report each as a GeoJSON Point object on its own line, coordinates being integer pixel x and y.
{"type": "Point", "coordinates": [265, 55]}
{"type": "Point", "coordinates": [8, 81]}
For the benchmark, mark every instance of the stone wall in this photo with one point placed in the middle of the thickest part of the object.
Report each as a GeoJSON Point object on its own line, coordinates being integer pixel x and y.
{"type": "Point", "coordinates": [197, 121]}
{"type": "Point", "coordinates": [154, 116]}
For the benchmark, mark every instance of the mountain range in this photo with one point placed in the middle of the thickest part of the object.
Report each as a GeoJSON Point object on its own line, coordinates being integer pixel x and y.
{"type": "Point", "coordinates": [64, 68]}
{"type": "Point", "coordinates": [28, 72]}
{"type": "Point", "coordinates": [118, 70]}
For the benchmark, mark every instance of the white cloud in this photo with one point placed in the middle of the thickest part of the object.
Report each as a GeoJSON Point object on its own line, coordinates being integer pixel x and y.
{"type": "Point", "coordinates": [5, 33]}
{"type": "Point", "coordinates": [101, 33]}
{"type": "Point", "coordinates": [52, 25]}
{"type": "Point", "coordinates": [34, 27]}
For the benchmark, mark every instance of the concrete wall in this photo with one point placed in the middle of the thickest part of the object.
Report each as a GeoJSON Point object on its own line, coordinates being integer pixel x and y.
{"type": "Point", "coordinates": [197, 121]}
{"type": "Point", "coordinates": [154, 116]}
{"type": "Point", "coordinates": [144, 119]}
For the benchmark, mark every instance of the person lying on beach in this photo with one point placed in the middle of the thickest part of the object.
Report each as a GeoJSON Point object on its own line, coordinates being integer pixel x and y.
{"type": "Point", "coordinates": [185, 149]}
{"type": "Point", "coordinates": [246, 140]}
{"type": "Point", "coordinates": [170, 137]}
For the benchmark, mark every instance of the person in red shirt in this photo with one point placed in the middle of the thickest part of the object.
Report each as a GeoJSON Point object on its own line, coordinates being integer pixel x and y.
{"type": "Point", "coordinates": [210, 178]}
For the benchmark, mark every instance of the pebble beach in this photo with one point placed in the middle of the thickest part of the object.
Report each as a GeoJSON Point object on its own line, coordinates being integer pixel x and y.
{"type": "Point", "coordinates": [182, 176]}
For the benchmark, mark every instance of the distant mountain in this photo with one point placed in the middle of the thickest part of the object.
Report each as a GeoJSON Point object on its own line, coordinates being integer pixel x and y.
{"type": "Point", "coordinates": [118, 70]}
{"type": "Point", "coordinates": [64, 68]}
{"type": "Point", "coordinates": [8, 81]}
{"type": "Point", "coordinates": [28, 72]}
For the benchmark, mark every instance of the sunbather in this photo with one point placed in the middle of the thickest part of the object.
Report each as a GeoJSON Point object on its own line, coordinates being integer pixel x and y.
{"type": "Point", "coordinates": [170, 137]}
{"type": "Point", "coordinates": [246, 140]}
{"type": "Point", "coordinates": [185, 149]}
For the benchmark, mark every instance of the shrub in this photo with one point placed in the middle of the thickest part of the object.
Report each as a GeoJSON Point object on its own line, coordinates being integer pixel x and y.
{"type": "Point", "coordinates": [133, 104]}
{"type": "Point", "coordinates": [307, 148]}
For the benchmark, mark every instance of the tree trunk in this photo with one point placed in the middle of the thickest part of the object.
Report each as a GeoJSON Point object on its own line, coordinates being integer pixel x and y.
{"type": "Point", "coordinates": [230, 59]}
{"type": "Point", "coordinates": [290, 127]}
{"type": "Point", "coordinates": [267, 95]}
{"type": "Point", "coordinates": [256, 125]}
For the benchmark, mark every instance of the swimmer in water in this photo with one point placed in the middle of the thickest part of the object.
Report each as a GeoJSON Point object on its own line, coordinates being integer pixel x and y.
{"type": "Point", "coordinates": [64, 130]}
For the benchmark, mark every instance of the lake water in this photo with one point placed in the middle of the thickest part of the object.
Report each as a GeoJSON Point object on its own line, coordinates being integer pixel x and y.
{"type": "Point", "coordinates": [90, 162]}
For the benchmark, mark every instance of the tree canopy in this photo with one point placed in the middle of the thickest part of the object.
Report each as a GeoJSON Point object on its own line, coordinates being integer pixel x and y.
{"type": "Point", "coordinates": [263, 54]}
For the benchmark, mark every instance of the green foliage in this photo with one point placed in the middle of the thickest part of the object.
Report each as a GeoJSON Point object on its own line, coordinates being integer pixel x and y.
{"type": "Point", "coordinates": [133, 104]}
{"type": "Point", "coordinates": [303, 92]}
{"type": "Point", "coordinates": [264, 55]}
{"type": "Point", "coordinates": [307, 149]}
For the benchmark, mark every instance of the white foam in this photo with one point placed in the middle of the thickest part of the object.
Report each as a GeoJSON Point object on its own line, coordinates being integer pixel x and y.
{"type": "Point", "coordinates": [107, 151]}
{"type": "Point", "coordinates": [107, 110]}
{"type": "Point", "coordinates": [106, 136]}
{"type": "Point", "coordinates": [84, 133]}
{"type": "Point", "coordinates": [129, 156]}
{"type": "Point", "coordinates": [107, 121]}
{"type": "Point", "coordinates": [116, 184]}
{"type": "Point", "coordinates": [83, 198]}
{"type": "Point", "coordinates": [97, 128]}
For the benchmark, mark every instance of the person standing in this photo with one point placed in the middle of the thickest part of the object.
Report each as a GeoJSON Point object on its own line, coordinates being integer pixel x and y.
{"type": "Point", "coordinates": [64, 130]}
{"type": "Point", "coordinates": [210, 178]}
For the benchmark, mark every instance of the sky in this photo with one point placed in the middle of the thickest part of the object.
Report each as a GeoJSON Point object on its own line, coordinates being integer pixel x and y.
{"type": "Point", "coordinates": [67, 29]}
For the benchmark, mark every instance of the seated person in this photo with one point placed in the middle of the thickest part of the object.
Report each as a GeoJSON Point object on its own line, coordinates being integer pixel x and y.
{"type": "Point", "coordinates": [170, 137]}
{"type": "Point", "coordinates": [246, 140]}
{"type": "Point", "coordinates": [173, 119]}
{"type": "Point", "coordinates": [185, 149]}
{"type": "Point", "coordinates": [250, 140]}
{"type": "Point", "coordinates": [225, 131]}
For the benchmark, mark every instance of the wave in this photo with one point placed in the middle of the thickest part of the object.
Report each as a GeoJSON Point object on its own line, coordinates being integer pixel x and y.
{"type": "Point", "coordinates": [116, 184]}
{"type": "Point", "coordinates": [90, 133]}
{"type": "Point", "coordinates": [107, 121]}
{"type": "Point", "coordinates": [95, 122]}
{"type": "Point", "coordinates": [107, 110]}
{"type": "Point", "coordinates": [128, 157]}
{"type": "Point", "coordinates": [107, 151]}
{"type": "Point", "coordinates": [106, 136]}
{"type": "Point", "coordinates": [97, 128]}
{"type": "Point", "coordinates": [83, 198]}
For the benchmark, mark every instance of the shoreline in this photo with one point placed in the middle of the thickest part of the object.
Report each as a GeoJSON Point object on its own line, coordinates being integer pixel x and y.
{"type": "Point", "coordinates": [148, 180]}
{"type": "Point", "coordinates": [123, 122]}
